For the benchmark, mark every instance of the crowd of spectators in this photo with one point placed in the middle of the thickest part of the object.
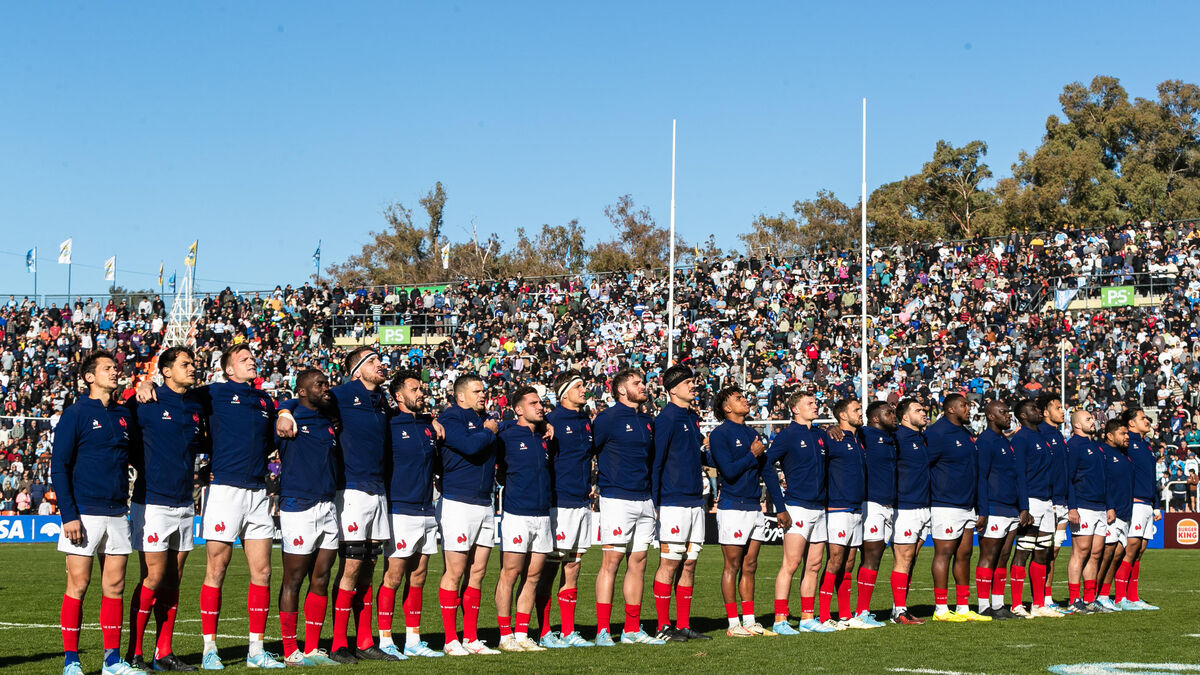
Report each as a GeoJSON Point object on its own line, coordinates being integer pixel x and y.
{"type": "Point", "coordinates": [986, 317]}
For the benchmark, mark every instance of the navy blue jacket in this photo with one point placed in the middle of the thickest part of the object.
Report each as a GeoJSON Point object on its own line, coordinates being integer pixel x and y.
{"type": "Point", "coordinates": [740, 470]}
{"type": "Point", "coordinates": [363, 435]}
{"type": "Point", "coordinates": [468, 457]}
{"type": "Point", "coordinates": [89, 465]}
{"type": "Point", "coordinates": [413, 462]}
{"type": "Point", "coordinates": [168, 434]}
{"type": "Point", "coordinates": [912, 469]}
{"type": "Point", "coordinates": [1059, 473]}
{"type": "Point", "coordinates": [1035, 458]}
{"type": "Point", "coordinates": [880, 449]}
{"type": "Point", "coordinates": [1085, 473]}
{"type": "Point", "coordinates": [800, 452]}
{"type": "Point", "coordinates": [242, 423]}
{"type": "Point", "coordinates": [953, 465]}
{"type": "Point", "coordinates": [624, 450]}
{"type": "Point", "coordinates": [1119, 480]}
{"type": "Point", "coordinates": [571, 453]}
{"type": "Point", "coordinates": [524, 469]}
{"type": "Point", "coordinates": [1002, 489]}
{"type": "Point", "coordinates": [675, 478]}
{"type": "Point", "coordinates": [1144, 476]}
{"type": "Point", "coordinates": [308, 472]}
{"type": "Point", "coordinates": [846, 473]}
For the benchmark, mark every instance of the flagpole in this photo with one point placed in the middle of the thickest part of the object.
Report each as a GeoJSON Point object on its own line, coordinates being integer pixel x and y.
{"type": "Point", "coordinates": [35, 273]}
{"type": "Point", "coordinates": [671, 266]}
{"type": "Point", "coordinates": [865, 374]}
{"type": "Point", "coordinates": [68, 283]}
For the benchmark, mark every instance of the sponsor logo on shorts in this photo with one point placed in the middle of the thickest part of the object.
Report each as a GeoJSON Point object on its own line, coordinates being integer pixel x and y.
{"type": "Point", "coordinates": [675, 530]}
{"type": "Point", "coordinates": [874, 529]}
{"type": "Point", "coordinates": [1187, 531]}
{"type": "Point", "coordinates": [562, 536]}
{"type": "Point", "coordinates": [352, 528]}
{"type": "Point", "coordinates": [402, 545]}
{"type": "Point", "coordinates": [617, 532]}
{"type": "Point", "coordinates": [949, 530]}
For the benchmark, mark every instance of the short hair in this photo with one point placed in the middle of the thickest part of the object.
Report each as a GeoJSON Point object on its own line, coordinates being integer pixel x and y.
{"type": "Point", "coordinates": [464, 380]}
{"type": "Point", "coordinates": [306, 377]}
{"type": "Point", "coordinates": [797, 395]}
{"type": "Point", "coordinates": [1024, 406]}
{"type": "Point", "coordinates": [400, 377]}
{"type": "Point", "coordinates": [1114, 424]}
{"type": "Point", "coordinates": [565, 377]}
{"type": "Point", "coordinates": [841, 406]}
{"type": "Point", "coordinates": [1044, 401]}
{"type": "Point", "coordinates": [677, 371]}
{"type": "Point", "coordinates": [951, 398]}
{"type": "Point", "coordinates": [875, 408]}
{"type": "Point", "coordinates": [720, 398]}
{"type": "Point", "coordinates": [520, 393]}
{"type": "Point", "coordinates": [227, 357]}
{"type": "Point", "coordinates": [88, 366]}
{"type": "Point", "coordinates": [353, 357]}
{"type": "Point", "coordinates": [171, 355]}
{"type": "Point", "coordinates": [622, 377]}
{"type": "Point", "coordinates": [903, 406]}
{"type": "Point", "coordinates": [1129, 415]}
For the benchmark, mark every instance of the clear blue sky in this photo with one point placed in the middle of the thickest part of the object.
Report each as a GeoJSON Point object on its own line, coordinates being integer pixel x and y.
{"type": "Point", "coordinates": [262, 127]}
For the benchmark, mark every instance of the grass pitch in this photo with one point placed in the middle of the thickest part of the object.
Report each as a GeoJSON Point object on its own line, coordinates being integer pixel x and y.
{"type": "Point", "coordinates": [33, 580]}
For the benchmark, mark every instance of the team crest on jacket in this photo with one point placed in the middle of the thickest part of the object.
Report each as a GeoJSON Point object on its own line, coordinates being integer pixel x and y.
{"type": "Point", "coordinates": [522, 446]}
{"type": "Point", "coordinates": [235, 400]}
{"type": "Point", "coordinates": [737, 442]}
{"type": "Point", "coordinates": [121, 421]}
{"type": "Point", "coordinates": [166, 414]}
{"type": "Point", "coordinates": [196, 418]}
{"type": "Point", "coordinates": [428, 434]}
{"type": "Point", "coordinates": [957, 443]}
{"type": "Point", "coordinates": [96, 424]}
{"type": "Point", "coordinates": [568, 430]}
{"type": "Point", "coordinates": [628, 428]}
{"type": "Point", "coordinates": [403, 434]}
{"type": "Point", "coordinates": [356, 401]}
{"type": "Point", "coordinates": [470, 425]}
{"type": "Point", "coordinates": [304, 429]}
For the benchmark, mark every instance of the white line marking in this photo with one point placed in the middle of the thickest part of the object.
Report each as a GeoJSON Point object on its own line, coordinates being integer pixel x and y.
{"type": "Point", "coordinates": [930, 671]}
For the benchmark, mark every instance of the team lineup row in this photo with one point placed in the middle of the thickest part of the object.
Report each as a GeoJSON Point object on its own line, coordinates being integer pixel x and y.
{"type": "Point", "coordinates": [359, 467]}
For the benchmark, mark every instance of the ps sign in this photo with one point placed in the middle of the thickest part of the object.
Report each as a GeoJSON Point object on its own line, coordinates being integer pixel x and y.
{"type": "Point", "coordinates": [395, 335]}
{"type": "Point", "coordinates": [1116, 296]}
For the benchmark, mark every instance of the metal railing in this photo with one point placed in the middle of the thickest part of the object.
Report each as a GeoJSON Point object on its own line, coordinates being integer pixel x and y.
{"type": "Point", "coordinates": [421, 323]}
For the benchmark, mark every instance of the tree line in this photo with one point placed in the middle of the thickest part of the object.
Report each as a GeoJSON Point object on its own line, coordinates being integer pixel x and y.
{"type": "Point", "coordinates": [1104, 159]}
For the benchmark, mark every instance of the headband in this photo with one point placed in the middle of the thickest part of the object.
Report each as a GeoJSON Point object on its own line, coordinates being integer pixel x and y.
{"type": "Point", "coordinates": [365, 357]}
{"type": "Point", "coordinates": [562, 389]}
{"type": "Point", "coordinates": [672, 379]}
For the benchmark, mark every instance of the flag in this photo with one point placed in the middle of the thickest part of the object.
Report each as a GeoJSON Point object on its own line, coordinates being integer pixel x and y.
{"type": "Point", "coordinates": [64, 252]}
{"type": "Point", "coordinates": [110, 269]}
{"type": "Point", "coordinates": [172, 282]}
{"type": "Point", "coordinates": [446, 256]}
{"type": "Point", "coordinates": [31, 260]}
{"type": "Point", "coordinates": [190, 260]}
{"type": "Point", "coordinates": [160, 271]}
{"type": "Point", "coordinates": [317, 256]}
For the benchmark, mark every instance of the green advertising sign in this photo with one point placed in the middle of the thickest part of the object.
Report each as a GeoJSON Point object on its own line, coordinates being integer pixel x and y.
{"type": "Point", "coordinates": [1116, 296]}
{"type": "Point", "coordinates": [395, 335]}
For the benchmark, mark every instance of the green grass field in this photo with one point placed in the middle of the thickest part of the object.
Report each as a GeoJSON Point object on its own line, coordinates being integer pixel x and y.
{"type": "Point", "coordinates": [32, 585]}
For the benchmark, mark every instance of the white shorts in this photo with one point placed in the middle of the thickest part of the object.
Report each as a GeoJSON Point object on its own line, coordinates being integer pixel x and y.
{"type": "Point", "coordinates": [111, 531]}
{"type": "Point", "coordinates": [158, 528]}
{"type": "Point", "coordinates": [306, 531]}
{"type": "Point", "coordinates": [998, 527]}
{"type": "Point", "coordinates": [879, 522]}
{"type": "Point", "coordinates": [681, 525]}
{"type": "Point", "coordinates": [1060, 515]}
{"type": "Point", "coordinates": [1043, 515]}
{"type": "Point", "coordinates": [1142, 521]}
{"type": "Point", "coordinates": [1093, 523]}
{"type": "Point", "coordinates": [911, 526]}
{"type": "Point", "coordinates": [466, 525]}
{"type": "Point", "coordinates": [572, 529]}
{"type": "Point", "coordinates": [950, 523]}
{"type": "Point", "coordinates": [522, 534]}
{"type": "Point", "coordinates": [412, 534]}
{"type": "Point", "coordinates": [626, 524]}
{"type": "Point", "coordinates": [1117, 532]}
{"type": "Point", "coordinates": [808, 523]}
{"type": "Point", "coordinates": [844, 528]}
{"type": "Point", "coordinates": [735, 528]}
{"type": "Point", "coordinates": [363, 516]}
{"type": "Point", "coordinates": [232, 512]}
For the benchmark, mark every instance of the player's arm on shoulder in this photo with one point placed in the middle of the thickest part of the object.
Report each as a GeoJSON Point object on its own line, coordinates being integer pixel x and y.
{"type": "Point", "coordinates": [285, 421]}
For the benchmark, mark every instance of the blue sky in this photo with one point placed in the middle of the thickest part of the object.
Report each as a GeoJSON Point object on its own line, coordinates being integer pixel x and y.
{"type": "Point", "coordinates": [261, 127]}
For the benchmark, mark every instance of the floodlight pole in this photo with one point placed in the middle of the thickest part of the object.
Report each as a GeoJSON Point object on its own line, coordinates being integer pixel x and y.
{"type": "Point", "coordinates": [671, 263]}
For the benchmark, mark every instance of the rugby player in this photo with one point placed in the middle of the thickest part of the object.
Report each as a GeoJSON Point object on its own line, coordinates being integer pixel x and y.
{"type": "Point", "coordinates": [1053, 416]}
{"type": "Point", "coordinates": [1003, 498]}
{"type": "Point", "coordinates": [1087, 511]}
{"type": "Point", "coordinates": [1145, 503]}
{"type": "Point", "coordinates": [1118, 473]}
{"type": "Point", "coordinates": [912, 504]}
{"type": "Point", "coordinates": [1035, 539]}
{"type": "Point", "coordinates": [879, 511]}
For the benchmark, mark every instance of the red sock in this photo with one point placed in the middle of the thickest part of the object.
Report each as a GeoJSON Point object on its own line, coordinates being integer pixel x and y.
{"type": "Point", "coordinates": [1136, 574]}
{"type": "Point", "coordinates": [941, 596]}
{"type": "Point", "coordinates": [899, 589]}
{"type": "Point", "coordinates": [166, 604]}
{"type": "Point", "coordinates": [827, 586]}
{"type": "Point", "coordinates": [747, 608]}
{"type": "Point", "coordinates": [1018, 584]}
{"type": "Point", "coordinates": [1122, 580]}
{"type": "Point", "coordinates": [731, 610]}
{"type": "Point", "coordinates": [983, 583]}
{"type": "Point", "coordinates": [544, 605]}
{"type": "Point", "coordinates": [866, 588]}
{"type": "Point", "coordinates": [683, 606]}
{"type": "Point", "coordinates": [287, 631]}
{"type": "Point", "coordinates": [1072, 592]}
{"type": "Point", "coordinates": [343, 605]}
{"type": "Point", "coordinates": [69, 618]}
{"type": "Point", "coordinates": [999, 577]}
{"type": "Point", "coordinates": [807, 604]}
{"type": "Point", "coordinates": [315, 607]}
{"type": "Point", "coordinates": [523, 622]}
{"type": "Point", "coordinates": [843, 596]}
{"type": "Point", "coordinates": [258, 603]}
{"type": "Point", "coordinates": [385, 606]}
{"type": "Point", "coordinates": [603, 616]}
{"type": "Point", "coordinates": [112, 611]}
{"type": "Point", "coordinates": [567, 598]}
{"type": "Point", "coordinates": [139, 615]}
{"type": "Point", "coordinates": [470, 602]}
{"type": "Point", "coordinates": [633, 618]}
{"type": "Point", "coordinates": [413, 596]}
{"type": "Point", "coordinates": [210, 609]}
{"type": "Point", "coordinates": [781, 608]}
{"type": "Point", "coordinates": [1089, 590]}
{"type": "Point", "coordinates": [1105, 589]}
{"type": "Point", "coordinates": [1049, 587]}
{"type": "Point", "coordinates": [662, 603]}
{"type": "Point", "coordinates": [1037, 583]}
{"type": "Point", "coordinates": [505, 624]}
{"type": "Point", "coordinates": [362, 618]}
{"type": "Point", "coordinates": [962, 595]}
{"type": "Point", "coordinates": [448, 602]}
